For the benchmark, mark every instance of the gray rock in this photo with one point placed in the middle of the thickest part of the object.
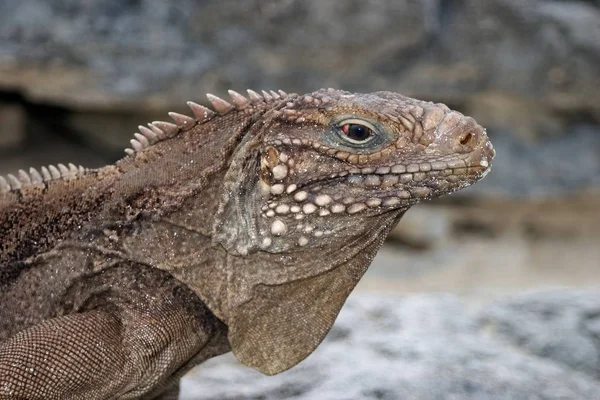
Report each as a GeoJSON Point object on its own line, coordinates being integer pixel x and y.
{"type": "Point", "coordinates": [419, 347]}
{"type": "Point", "coordinates": [563, 326]}
{"type": "Point", "coordinates": [148, 52]}
{"type": "Point", "coordinates": [567, 163]}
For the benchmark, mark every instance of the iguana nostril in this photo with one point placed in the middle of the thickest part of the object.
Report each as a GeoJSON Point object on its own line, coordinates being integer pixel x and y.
{"type": "Point", "coordinates": [466, 139]}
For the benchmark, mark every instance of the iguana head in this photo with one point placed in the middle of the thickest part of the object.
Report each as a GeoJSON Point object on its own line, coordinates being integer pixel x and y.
{"type": "Point", "coordinates": [312, 191]}
{"type": "Point", "coordinates": [323, 165]}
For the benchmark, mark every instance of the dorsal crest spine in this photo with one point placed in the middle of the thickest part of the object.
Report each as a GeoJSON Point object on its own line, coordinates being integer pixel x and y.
{"type": "Point", "coordinates": [160, 130]}
{"type": "Point", "coordinates": [35, 177]}
{"type": "Point", "coordinates": [147, 136]}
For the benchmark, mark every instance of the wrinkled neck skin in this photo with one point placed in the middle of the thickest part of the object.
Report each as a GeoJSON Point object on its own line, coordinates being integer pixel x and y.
{"type": "Point", "coordinates": [282, 305]}
{"type": "Point", "coordinates": [263, 268]}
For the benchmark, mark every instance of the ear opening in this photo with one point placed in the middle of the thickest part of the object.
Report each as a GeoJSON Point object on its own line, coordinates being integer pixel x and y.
{"type": "Point", "coordinates": [234, 227]}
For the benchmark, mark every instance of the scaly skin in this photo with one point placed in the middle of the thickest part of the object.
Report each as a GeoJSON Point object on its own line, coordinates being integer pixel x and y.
{"type": "Point", "coordinates": [243, 229]}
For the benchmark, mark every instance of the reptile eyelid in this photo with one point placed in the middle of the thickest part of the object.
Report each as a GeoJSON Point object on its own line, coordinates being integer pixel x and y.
{"type": "Point", "coordinates": [357, 121]}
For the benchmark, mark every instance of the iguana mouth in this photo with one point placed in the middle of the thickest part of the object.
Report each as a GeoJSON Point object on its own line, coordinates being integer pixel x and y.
{"type": "Point", "coordinates": [387, 186]}
{"type": "Point", "coordinates": [352, 188]}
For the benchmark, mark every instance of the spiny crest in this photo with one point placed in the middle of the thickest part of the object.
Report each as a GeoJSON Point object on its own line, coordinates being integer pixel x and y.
{"type": "Point", "coordinates": [149, 135]}
{"type": "Point", "coordinates": [159, 130]}
{"type": "Point", "coordinates": [35, 177]}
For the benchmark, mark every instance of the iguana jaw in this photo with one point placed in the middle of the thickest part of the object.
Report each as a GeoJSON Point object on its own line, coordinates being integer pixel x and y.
{"type": "Point", "coordinates": [392, 185]}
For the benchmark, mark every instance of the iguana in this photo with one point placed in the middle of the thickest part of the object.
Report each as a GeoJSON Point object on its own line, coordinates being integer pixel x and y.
{"type": "Point", "coordinates": [242, 228]}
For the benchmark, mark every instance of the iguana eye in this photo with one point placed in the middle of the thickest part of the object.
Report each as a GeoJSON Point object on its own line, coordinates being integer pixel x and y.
{"type": "Point", "coordinates": [356, 131]}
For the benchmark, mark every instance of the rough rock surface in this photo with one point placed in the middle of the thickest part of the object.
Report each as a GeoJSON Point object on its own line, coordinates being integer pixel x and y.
{"type": "Point", "coordinates": [431, 347]}
{"type": "Point", "coordinates": [563, 327]}
{"type": "Point", "coordinates": [141, 50]}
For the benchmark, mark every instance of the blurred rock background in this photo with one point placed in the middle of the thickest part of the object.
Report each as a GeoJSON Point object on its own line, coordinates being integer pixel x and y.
{"type": "Point", "coordinates": [78, 76]}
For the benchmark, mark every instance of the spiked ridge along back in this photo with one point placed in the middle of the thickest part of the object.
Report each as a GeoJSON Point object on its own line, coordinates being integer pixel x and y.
{"type": "Point", "coordinates": [160, 130]}
{"type": "Point", "coordinates": [147, 136]}
{"type": "Point", "coordinates": [35, 177]}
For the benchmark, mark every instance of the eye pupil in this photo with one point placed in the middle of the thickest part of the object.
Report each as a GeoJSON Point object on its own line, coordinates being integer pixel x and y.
{"type": "Point", "coordinates": [357, 132]}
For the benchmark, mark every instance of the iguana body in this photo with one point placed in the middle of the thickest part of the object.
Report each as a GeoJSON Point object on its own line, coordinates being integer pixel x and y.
{"type": "Point", "coordinates": [244, 228]}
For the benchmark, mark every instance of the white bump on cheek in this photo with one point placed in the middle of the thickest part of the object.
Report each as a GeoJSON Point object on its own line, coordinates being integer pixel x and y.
{"type": "Point", "coordinates": [302, 241]}
{"type": "Point", "coordinates": [301, 196]}
{"type": "Point", "coordinates": [277, 189]}
{"type": "Point", "coordinates": [337, 208]}
{"type": "Point", "coordinates": [391, 201]}
{"type": "Point", "coordinates": [270, 213]}
{"type": "Point", "coordinates": [324, 212]}
{"type": "Point", "coordinates": [373, 202]}
{"type": "Point", "coordinates": [357, 207]}
{"type": "Point", "coordinates": [295, 209]}
{"type": "Point", "coordinates": [291, 188]}
{"type": "Point", "coordinates": [322, 200]}
{"type": "Point", "coordinates": [280, 172]}
{"type": "Point", "coordinates": [283, 157]}
{"type": "Point", "coordinates": [266, 242]}
{"type": "Point", "coordinates": [278, 228]}
{"type": "Point", "coordinates": [309, 208]}
{"type": "Point", "coordinates": [282, 209]}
